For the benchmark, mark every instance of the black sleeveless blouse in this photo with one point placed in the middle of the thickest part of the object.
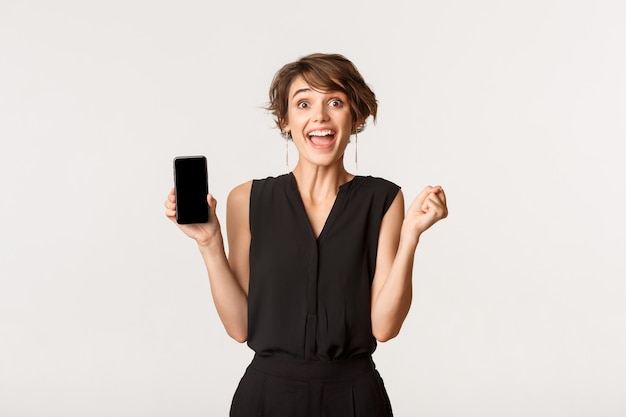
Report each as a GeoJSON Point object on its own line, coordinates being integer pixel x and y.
{"type": "Point", "coordinates": [309, 298]}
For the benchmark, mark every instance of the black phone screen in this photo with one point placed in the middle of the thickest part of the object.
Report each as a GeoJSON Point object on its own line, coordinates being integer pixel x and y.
{"type": "Point", "coordinates": [191, 185]}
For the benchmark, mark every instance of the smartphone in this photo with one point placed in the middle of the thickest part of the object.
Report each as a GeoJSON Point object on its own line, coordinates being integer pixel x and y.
{"type": "Point", "coordinates": [191, 186]}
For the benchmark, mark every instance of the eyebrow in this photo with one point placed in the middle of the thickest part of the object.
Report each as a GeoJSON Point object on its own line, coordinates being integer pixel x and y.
{"type": "Point", "coordinates": [301, 90]}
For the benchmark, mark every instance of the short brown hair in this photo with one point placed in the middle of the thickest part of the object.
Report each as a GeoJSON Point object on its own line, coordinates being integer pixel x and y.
{"type": "Point", "coordinates": [324, 72]}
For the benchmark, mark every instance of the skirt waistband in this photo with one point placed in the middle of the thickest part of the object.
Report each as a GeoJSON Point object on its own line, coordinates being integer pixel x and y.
{"type": "Point", "coordinates": [312, 370]}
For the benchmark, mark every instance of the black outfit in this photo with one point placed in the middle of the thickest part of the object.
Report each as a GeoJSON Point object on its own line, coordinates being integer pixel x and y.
{"type": "Point", "coordinates": [309, 317]}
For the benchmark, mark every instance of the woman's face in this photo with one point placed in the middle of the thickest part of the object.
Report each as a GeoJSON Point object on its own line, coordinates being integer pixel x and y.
{"type": "Point", "coordinates": [320, 123]}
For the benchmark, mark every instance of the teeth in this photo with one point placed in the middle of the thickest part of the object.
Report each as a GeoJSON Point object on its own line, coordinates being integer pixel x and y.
{"type": "Point", "coordinates": [321, 133]}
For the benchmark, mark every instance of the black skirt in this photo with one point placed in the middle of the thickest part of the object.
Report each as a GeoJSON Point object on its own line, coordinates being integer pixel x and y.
{"type": "Point", "coordinates": [273, 387]}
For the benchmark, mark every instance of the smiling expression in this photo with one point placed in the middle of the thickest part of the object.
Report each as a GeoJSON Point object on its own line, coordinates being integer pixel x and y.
{"type": "Point", "coordinates": [320, 123]}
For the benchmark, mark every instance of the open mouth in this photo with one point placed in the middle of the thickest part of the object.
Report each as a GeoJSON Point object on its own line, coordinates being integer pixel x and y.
{"type": "Point", "coordinates": [322, 138]}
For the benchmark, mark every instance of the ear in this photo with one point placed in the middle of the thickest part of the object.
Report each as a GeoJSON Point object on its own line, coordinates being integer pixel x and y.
{"type": "Point", "coordinates": [284, 125]}
{"type": "Point", "coordinates": [357, 124]}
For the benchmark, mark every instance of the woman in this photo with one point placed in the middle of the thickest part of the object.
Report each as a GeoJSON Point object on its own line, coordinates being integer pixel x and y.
{"type": "Point", "coordinates": [320, 260]}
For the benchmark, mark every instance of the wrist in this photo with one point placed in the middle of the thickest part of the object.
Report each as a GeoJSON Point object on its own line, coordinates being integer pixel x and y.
{"type": "Point", "coordinates": [214, 243]}
{"type": "Point", "coordinates": [409, 236]}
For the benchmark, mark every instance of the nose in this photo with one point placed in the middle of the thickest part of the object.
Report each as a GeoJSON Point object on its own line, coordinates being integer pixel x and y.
{"type": "Point", "coordinates": [321, 113]}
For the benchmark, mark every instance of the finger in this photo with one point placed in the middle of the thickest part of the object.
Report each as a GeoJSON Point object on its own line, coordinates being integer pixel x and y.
{"type": "Point", "coordinates": [421, 197]}
{"type": "Point", "coordinates": [437, 197]}
{"type": "Point", "coordinates": [438, 191]}
{"type": "Point", "coordinates": [440, 200]}
{"type": "Point", "coordinates": [212, 202]}
{"type": "Point", "coordinates": [429, 206]}
{"type": "Point", "coordinates": [441, 194]}
{"type": "Point", "coordinates": [434, 205]}
{"type": "Point", "coordinates": [170, 205]}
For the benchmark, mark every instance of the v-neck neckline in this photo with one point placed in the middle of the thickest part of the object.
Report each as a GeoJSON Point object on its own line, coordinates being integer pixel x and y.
{"type": "Point", "coordinates": [332, 214]}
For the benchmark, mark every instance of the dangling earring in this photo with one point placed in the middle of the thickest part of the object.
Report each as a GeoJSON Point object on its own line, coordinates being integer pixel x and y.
{"type": "Point", "coordinates": [287, 136]}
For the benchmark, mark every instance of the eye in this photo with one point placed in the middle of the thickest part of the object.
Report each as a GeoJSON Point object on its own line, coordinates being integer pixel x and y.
{"type": "Point", "coordinates": [303, 105]}
{"type": "Point", "coordinates": [335, 103]}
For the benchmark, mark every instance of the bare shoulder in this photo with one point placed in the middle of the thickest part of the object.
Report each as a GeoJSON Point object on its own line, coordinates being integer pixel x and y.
{"type": "Point", "coordinates": [396, 210]}
{"type": "Point", "coordinates": [239, 197]}
{"type": "Point", "coordinates": [238, 231]}
{"type": "Point", "coordinates": [390, 227]}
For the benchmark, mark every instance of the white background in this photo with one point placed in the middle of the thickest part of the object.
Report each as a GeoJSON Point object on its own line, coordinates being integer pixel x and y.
{"type": "Point", "coordinates": [516, 108]}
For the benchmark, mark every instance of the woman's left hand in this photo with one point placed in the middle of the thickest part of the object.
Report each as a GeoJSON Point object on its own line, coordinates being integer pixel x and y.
{"type": "Point", "coordinates": [427, 209]}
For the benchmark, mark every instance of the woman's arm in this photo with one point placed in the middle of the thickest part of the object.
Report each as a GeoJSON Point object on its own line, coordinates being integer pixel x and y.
{"type": "Point", "coordinates": [392, 287]}
{"type": "Point", "coordinates": [228, 279]}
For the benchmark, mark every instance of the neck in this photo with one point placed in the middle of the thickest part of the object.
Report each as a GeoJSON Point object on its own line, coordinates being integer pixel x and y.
{"type": "Point", "coordinates": [320, 182]}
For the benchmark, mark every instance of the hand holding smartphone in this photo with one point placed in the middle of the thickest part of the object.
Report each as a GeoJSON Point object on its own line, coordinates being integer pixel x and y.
{"type": "Point", "coordinates": [191, 186]}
